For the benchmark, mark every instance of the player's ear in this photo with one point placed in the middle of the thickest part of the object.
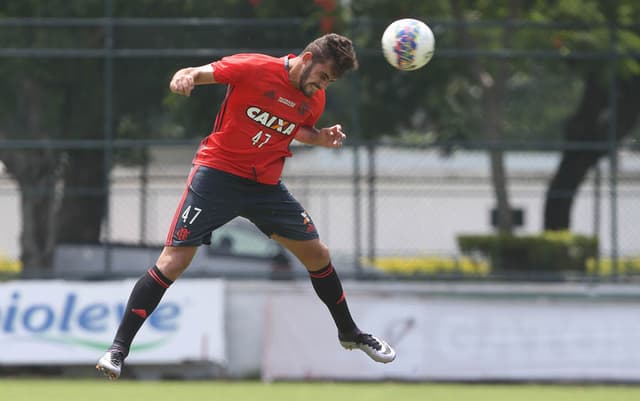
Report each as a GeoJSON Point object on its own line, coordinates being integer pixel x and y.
{"type": "Point", "coordinates": [307, 57]}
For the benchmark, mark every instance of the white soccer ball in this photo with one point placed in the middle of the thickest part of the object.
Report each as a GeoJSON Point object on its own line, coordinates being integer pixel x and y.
{"type": "Point", "coordinates": [408, 44]}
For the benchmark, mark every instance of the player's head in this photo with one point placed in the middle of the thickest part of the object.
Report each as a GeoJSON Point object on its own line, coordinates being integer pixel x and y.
{"type": "Point", "coordinates": [336, 50]}
{"type": "Point", "coordinates": [324, 60]}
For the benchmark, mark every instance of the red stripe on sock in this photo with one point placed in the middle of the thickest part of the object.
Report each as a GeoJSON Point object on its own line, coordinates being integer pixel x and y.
{"type": "Point", "coordinates": [342, 297]}
{"type": "Point", "coordinates": [140, 312]}
{"type": "Point", "coordinates": [157, 278]}
{"type": "Point", "coordinates": [324, 274]}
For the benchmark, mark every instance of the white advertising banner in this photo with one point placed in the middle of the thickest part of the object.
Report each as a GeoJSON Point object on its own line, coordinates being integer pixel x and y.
{"type": "Point", "coordinates": [457, 339]}
{"type": "Point", "coordinates": [63, 322]}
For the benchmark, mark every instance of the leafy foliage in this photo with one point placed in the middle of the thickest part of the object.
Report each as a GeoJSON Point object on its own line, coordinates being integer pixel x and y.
{"type": "Point", "coordinates": [550, 251]}
{"type": "Point", "coordinates": [63, 97]}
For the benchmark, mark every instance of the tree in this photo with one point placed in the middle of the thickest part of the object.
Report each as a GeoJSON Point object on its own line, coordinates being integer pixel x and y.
{"type": "Point", "coordinates": [64, 191]}
{"type": "Point", "coordinates": [581, 88]}
{"type": "Point", "coordinates": [493, 94]}
{"type": "Point", "coordinates": [49, 102]}
{"type": "Point", "coordinates": [489, 76]}
{"type": "Point", "coordinates": [594, 113]}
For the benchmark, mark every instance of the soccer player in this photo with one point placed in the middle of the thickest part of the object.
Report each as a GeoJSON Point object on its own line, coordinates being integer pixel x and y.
{"type": "Point", "coordinates": [236, 172]}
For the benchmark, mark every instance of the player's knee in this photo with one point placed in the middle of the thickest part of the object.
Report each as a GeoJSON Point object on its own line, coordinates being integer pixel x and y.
{"type": "Point", "coordinates": [317, 257]}
{"type": "Point", "coordinates": [323, 252]}
{"type": "Point", "coordinates": [172, 262]}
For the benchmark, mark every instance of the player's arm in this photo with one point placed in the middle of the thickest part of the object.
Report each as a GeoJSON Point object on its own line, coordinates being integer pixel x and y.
{"type": "Point", "coordinates": [185, 79]}
{"type": "Point", "coordinates": [330, 137]}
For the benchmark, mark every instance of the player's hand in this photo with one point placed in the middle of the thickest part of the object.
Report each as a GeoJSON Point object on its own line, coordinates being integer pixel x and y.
{"type": "Point", "coordinates": [332, 137]}
{"type": "Point", "coordinates": [182, 84]}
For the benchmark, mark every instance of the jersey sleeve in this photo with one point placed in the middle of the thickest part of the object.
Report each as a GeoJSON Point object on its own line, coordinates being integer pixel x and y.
{"type": "Point", "coordinates": [233, 69]}
{"type": "Point", "coordinates": [317, 109]}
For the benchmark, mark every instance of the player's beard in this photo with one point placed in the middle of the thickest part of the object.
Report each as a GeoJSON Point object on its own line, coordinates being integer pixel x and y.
{"type": "Point", "coordinates": [307, 88]}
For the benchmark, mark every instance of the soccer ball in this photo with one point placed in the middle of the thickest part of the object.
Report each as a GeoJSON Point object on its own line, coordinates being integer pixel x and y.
{"type": "Point", "coordinates": [408, 44]}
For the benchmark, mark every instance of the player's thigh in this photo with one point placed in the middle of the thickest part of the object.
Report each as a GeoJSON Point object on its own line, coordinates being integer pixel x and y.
{"type": "Point", "coordinates": [209, 201]}
{"type": "Point", "coordinates": [274, 210]}
{"type": "Point", "coordinates": [280, 216]}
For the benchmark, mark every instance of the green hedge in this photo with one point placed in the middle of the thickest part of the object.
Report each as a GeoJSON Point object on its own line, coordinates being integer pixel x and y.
{"type": "Point", "coordinates": [551, 251]}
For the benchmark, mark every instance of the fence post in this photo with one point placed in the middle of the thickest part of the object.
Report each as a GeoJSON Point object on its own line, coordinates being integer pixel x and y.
{"type": "Point", "coordinates": [597, 205]}
{"type": "Point", "coordinates": [108, 127]}
{"type": "Point", "coordinates": [371, 195]}
{"type": "Point", "coordinates": [613, 145]}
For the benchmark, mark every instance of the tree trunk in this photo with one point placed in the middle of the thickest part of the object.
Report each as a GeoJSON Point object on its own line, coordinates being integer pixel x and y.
{"type": "Point", "coordinates": [42, 175]}
{"type": "Point", "coordinates": [37, 173]}
{"type": "Point", "coordinates": [83, 203]}
{"type": "Point", "coordinates": [492, 106]}
{"type": "Point", "coordinates": [564, 186]}
{"type": "Point", "coordinates": [590, 123]}
{"type": "Point", "coordinates": [37, 182]}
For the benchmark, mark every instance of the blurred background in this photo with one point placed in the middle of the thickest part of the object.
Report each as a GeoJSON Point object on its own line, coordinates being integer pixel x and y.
{"type": "Point", "coordinates": [483, 212]}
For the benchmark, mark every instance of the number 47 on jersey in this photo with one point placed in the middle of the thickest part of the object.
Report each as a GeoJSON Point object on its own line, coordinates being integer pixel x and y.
{"type": "Point", "coordinates": [260, 139]}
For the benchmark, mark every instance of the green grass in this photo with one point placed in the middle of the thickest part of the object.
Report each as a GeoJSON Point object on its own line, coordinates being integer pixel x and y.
{"type": "Point", "coordinates": [100, 390]}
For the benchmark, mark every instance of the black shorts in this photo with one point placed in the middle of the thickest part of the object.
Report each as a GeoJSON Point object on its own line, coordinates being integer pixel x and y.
{"type": "Point", "coordinates": [213, 198]}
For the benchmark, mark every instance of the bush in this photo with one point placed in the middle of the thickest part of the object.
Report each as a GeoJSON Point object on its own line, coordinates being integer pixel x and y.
{"type": "Point", "coordinates": [9, 267]}
{"type": "Point", "coordinates": [605, 267]}
{"type": "Point", "coordinates": [551, 251]}
{"type": "Point", "coordinates": [431, 265]}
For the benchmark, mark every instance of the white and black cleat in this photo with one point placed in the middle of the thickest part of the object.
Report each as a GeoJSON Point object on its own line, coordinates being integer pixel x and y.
{"type": "Point", "coordinates": [377, 349]}
{"type": "Point", "coordinates": [111, 363]}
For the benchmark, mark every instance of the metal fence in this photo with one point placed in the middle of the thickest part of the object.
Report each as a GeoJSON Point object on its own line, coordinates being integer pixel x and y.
{"type": "Point", "coordinates": [375, 201]}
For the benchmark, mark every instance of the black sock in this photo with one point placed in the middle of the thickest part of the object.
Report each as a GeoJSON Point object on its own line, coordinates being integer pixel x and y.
{"type": "Point", "coordinates": [144, 298]}
{"type": "Point", "coordinates": [328, 287]}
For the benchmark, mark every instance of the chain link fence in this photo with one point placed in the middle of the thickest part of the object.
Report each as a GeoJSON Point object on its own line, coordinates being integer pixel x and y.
{"type": "Point", "coordinates": [393, 206]}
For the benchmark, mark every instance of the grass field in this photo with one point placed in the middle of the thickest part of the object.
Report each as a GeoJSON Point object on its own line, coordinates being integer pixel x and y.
{"type": "Point", "coordinates": [100, 390]}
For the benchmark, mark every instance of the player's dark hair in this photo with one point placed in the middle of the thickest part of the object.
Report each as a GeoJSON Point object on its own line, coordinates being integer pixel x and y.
{"type": "Point", "coordinates": [336, 49]}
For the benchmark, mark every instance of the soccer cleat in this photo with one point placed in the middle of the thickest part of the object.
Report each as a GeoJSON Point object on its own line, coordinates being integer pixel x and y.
{"type": "Point", "coordinates": [111, 363]}
{"type": "Point", "coordinates": [377, 349]}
